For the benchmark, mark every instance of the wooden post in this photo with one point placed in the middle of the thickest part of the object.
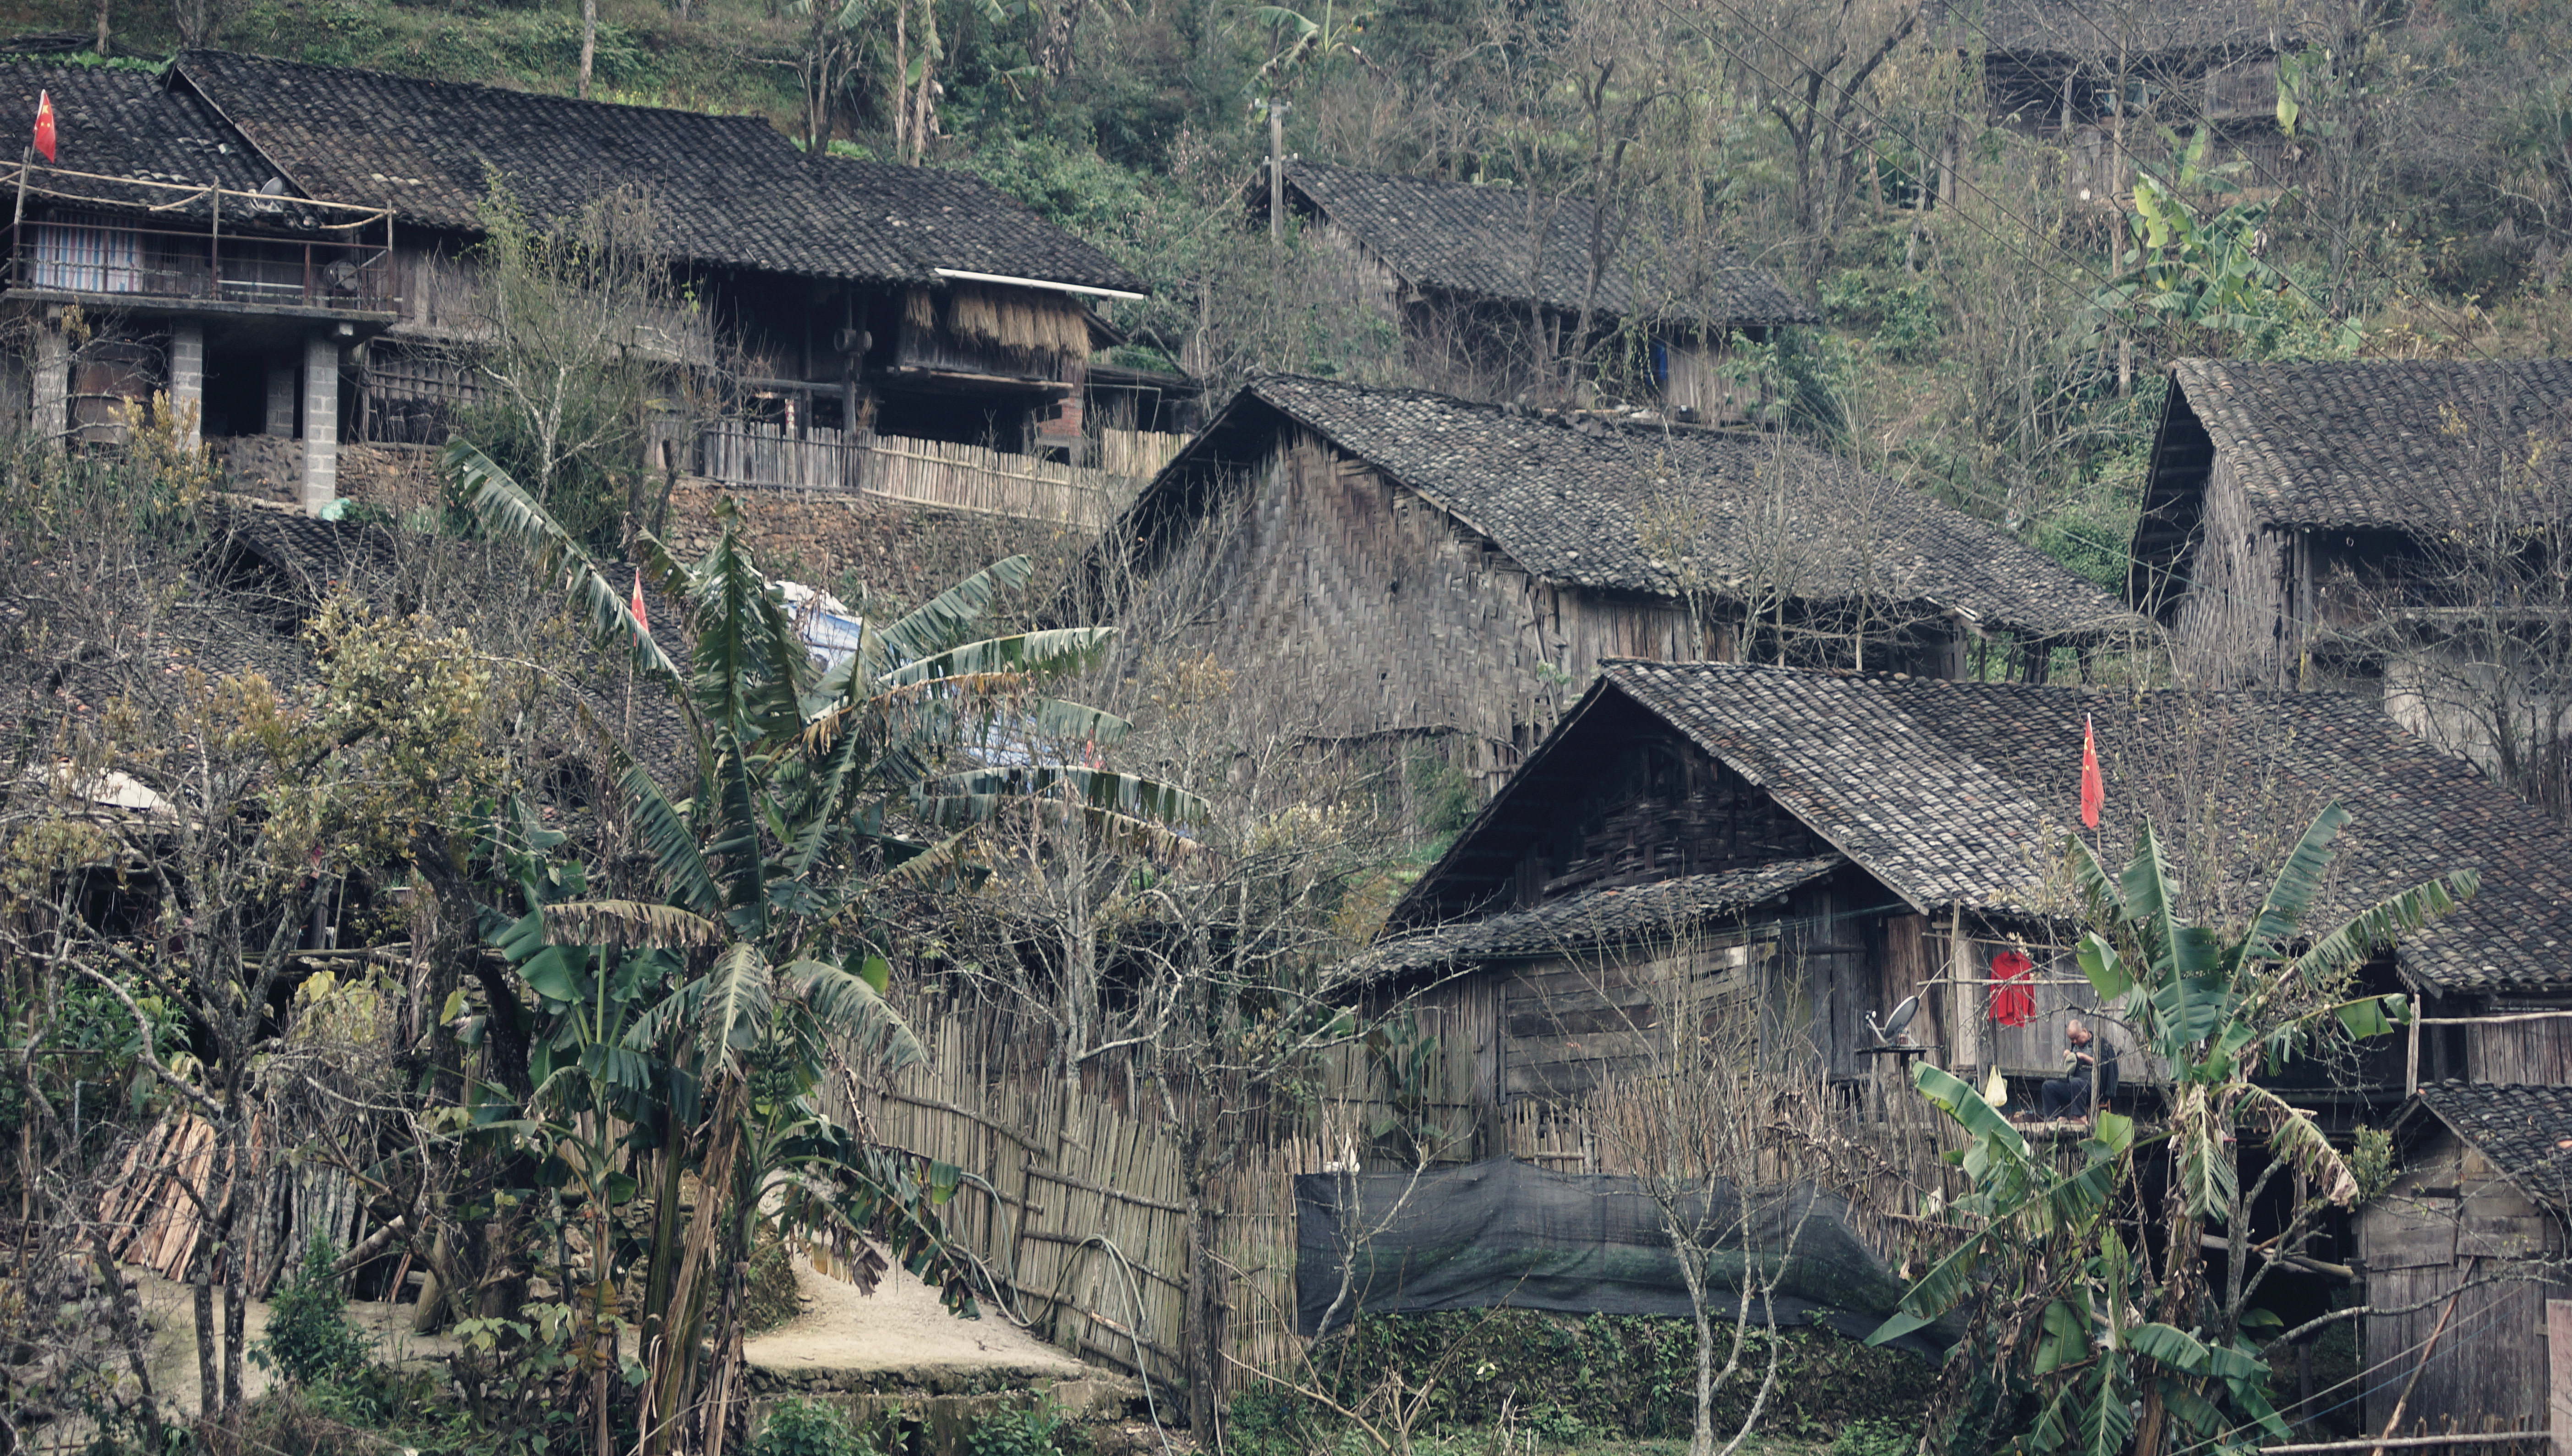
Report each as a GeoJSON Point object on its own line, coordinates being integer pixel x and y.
{"type": "Point", "coordinates": [2558, 1357]}
{"type": "Point", "coordinates": [1276, 168]}
{"type": "Point", "coordinates": [2412, 1063]}
{"type": "Point", "coordinates": [1969, 1001]}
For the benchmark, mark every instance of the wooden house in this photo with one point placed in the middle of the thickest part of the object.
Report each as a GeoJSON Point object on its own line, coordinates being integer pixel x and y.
{"type": "Point", "coordinates": [2386, 525]}
{"type": "Point", "coordinates": [1815, 846]}
{"type": "Point", "coordinates": [1489, 286]}
{"type": "Point", "coordinates": [2100, 80]}
{"type": "Point", "coordinates": [1417, 566]}
{"type": "Point", "coordinates": [2469, 1244]}
{"type": "Point", "coordinates": [291, 248]}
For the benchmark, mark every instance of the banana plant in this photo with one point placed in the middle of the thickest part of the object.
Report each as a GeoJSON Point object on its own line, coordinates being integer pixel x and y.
{"type": "Point", "coordinates": [2092, 1342]}
{"type": "Point", "coordinates": [706, 1018]}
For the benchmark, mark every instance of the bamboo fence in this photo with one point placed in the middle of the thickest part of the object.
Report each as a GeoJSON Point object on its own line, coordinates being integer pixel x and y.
{"type": "Point", "coordinates": [991, 482]}
{"type": "Point", "coordinates": [936, 474]}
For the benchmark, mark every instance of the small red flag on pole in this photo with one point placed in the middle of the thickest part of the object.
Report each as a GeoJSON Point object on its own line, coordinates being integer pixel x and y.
{"type": "Point", "coordinates": [45, 125]}
{"type": "Point", "coordinates": [642, 618]}
{"type": "Point", "coordinates": [2093, 793]}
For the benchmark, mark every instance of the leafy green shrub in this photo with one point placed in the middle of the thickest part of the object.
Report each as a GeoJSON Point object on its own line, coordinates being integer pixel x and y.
{"type": "Point", "coordinates": [1633, 1375]}
{"type": "Point", "coordinates": [1875, 1437]}
{"type": "Point", "coordinates": [307, 1338]}
{"type": "Point", "coordinates": [1028, 1431]}
{"type": "Point", "coordinates": [800, 1427]}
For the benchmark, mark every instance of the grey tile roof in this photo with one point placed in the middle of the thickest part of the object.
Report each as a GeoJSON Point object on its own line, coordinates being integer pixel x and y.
{"type": "Point", "coordinates": [126, 124]}
{"type": "Point", "coordinates": [728, 190]}
{"type": "Point", "coordinates": [2525, 1131]}
{"type": "Point", "coordinates": [1460, 238]}
{"type": "Point", "coordinates": [1591, 919]}
{"type": "Point", "coordinates": [2403, 444]}
{"type": "Point", "coordinates": [942, 218]}
{"type": "Point", "coordinates": [1582, 507]}
{"type": "Point", "coordinates": [2133, 28]}
{"type": "Point", "coordinates": [1958, 795]}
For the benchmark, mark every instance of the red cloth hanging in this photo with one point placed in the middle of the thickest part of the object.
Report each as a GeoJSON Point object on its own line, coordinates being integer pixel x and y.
{"type": "Point", "coordinates": [2094, 792]}
{"type": "Point", "coordinates": [45, 125]}
{"type": "Point", "coordinates": [2013, 1005]}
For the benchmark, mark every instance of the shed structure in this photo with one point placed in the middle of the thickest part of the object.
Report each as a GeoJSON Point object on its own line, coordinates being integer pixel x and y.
{"type": "Point", "coordinates": [1808, 848]}
{"type": "Point", "coordinates": [2106, 80]}
{"type": "Point", "coordinates": [1492, 285]}
{"type": "Point", "coordinates": [1413, 565]}
{"type": "Point", "coordinates": [2388, 526]}
{"type": "Point", "coordinates": [2472, 1233]}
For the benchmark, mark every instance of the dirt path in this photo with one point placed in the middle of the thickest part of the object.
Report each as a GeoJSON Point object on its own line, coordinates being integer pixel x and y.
{"type": "Point", "coordinates": [899, 1328]}
{"type": "Point", "coordinates": [170, 1311]}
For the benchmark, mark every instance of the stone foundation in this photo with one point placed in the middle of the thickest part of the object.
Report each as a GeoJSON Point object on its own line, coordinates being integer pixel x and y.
{"type": "Point", "coordinates": [261, 465]}
{"type": "Point", "coordinates": [829, 539]}
{"type": "Point", "coordinates": [938, 1408]}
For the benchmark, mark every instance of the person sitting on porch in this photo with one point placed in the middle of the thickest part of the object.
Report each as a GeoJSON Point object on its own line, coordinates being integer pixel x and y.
{"type": "Point", "coordinates": [2085, 1054]}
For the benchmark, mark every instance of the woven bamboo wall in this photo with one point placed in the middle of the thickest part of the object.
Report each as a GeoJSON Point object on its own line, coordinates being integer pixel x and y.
{"type": "Point", "coordinates": [936, 474]}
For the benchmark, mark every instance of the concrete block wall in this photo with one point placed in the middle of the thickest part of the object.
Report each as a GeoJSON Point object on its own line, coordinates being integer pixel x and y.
{"type": "Point", "coordinates": [321, 422]}
{"type": "Point", "coordinates": [188, 376]}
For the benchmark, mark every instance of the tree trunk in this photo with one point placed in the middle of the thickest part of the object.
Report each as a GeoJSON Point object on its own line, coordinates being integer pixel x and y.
{"type": "Point", "coordinates": [589, 42]}
{"type": "Point", "coordinates": [1276, 168]}
{"type": "Point", "coordinates": [900, 72]}
{"type": "Point", "coordinates": [101, 30]}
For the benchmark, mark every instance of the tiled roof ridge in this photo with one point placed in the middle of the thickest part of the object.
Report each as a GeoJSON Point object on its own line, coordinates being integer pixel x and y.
{"type": "Point", "coordinates": [1591, 918]}
{"type": "Point", "coordinates": [2387, 444]}
{"type": "Point", "coordinates": [1570, 420]}
{"type": "Point", "coordinates": [372, 74]}
{"type": "Point", "coordinates": [2532, 1150]}
{"type": "Point", "coordinates": [1297, 164]}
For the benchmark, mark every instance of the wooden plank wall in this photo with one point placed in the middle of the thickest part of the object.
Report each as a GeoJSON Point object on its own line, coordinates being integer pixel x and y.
{"type": "Point", "coordinates": [1356, 595]}
{"type": "Point", "coordinates": [2449, 1219]}
{"type": "Point", "coordinates": [1662, 808]}
{"type": "Point", "coordinates": [1570, 1024]}
{"type": "Point", "coordinates": [2231, 628]}
{"type": "Point", "coordinates": [2534, 1054]}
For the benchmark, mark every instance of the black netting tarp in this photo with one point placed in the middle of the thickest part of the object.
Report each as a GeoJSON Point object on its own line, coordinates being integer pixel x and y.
{"type": "Point", "coordinates": [1504, 1232]}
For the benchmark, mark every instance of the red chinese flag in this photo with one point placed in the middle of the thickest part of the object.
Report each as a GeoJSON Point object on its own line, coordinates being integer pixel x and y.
{"type": "Point", "coordinates": [642, 618]}
{"type": "Point", "coordinates": [2012, 1006]}
{"type": "Point", "coordinates": [2093, 792]}
{"type": "Point", "coordinates": [45, 125]}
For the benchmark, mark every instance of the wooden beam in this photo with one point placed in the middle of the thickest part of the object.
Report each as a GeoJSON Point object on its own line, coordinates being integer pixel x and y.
{"type": "Point", "coordinates": [1086, 1186]}
{"type": "Point", "coordinates": [2558, 1356]}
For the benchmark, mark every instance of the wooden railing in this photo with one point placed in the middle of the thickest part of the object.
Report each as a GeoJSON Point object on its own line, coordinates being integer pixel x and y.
{"type": "Point", "coordinates": [938, 473]}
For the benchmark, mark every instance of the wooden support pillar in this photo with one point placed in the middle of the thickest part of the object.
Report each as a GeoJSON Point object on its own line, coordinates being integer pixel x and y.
{"type": "Point", "coordinates": [51, 404]}
{"type": "Point", "coordinates": [1968, 997]}
{"type": "Point", "coordinates": [2558, 1357]}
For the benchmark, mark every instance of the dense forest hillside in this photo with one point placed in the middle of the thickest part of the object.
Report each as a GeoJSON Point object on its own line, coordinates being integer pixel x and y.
{"type": "Point", "coordinates": [1990, 335]}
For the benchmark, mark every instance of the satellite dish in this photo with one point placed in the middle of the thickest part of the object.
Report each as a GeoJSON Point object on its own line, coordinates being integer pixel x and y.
{"type": "Point", "coordinates": [274, 186]}
{"type": "Point", "coordinates": [1892, 1026]}
{"type": "Point", "coordinates": [1902, 1016]}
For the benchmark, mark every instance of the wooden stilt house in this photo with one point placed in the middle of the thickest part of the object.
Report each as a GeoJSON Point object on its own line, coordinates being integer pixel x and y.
{"type": "Point", "coordinates": [1816, 847]}
{"type": "Point", "coordinates": [1412, 565]}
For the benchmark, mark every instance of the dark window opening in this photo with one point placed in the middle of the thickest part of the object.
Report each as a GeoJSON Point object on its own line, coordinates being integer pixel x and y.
{"type": "Point", "coordinates": [236, 396]}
